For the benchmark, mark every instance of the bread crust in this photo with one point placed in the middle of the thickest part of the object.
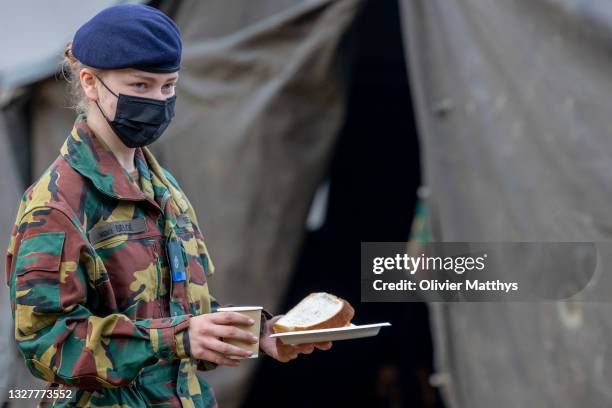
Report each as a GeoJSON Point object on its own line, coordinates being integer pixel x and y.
{"type": "Point", "coordinates": [341, 319]}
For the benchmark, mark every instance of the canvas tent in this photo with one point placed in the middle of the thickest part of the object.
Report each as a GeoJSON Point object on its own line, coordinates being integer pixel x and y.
{"type": "Point", "coordinates": [513, 105]}
{"type": "Point", "coordinates": [511, 100]}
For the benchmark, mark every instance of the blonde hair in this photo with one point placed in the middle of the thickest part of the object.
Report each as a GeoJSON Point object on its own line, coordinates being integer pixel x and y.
{"type": "Point", "coordinates": [71, 68]}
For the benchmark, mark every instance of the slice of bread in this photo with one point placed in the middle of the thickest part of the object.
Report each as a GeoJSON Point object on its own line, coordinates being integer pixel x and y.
{"type": "Point", "coordinates": [318, 310]}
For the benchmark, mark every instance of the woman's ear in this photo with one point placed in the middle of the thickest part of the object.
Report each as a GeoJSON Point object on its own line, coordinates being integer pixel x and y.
{"type": "Point", "coordinates": [88, 82]}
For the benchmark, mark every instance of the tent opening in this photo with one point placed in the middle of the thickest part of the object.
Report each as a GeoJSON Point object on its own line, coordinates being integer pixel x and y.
{"type": "Point", "coordinates": [369, 195]}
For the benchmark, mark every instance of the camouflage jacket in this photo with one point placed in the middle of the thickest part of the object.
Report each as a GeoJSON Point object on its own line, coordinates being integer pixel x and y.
{"type": "Point", "coordinates": [95, 309]}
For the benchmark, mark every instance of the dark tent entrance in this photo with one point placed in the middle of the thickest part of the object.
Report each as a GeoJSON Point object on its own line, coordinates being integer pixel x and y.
{"type": "Point", "coordinates": [373, 178]}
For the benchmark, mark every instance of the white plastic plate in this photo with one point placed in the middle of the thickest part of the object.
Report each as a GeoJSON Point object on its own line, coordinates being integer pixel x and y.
{"type": "Point", "coordinates": [333, 334]}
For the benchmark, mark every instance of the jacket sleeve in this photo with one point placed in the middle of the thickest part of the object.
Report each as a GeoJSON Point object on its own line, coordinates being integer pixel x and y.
{"type": "Point", "coordinates": [52, 272]}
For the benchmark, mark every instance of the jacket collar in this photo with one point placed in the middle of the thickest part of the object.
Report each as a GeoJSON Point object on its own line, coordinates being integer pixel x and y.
{"type": "Point", "coordinates": [90, 155]}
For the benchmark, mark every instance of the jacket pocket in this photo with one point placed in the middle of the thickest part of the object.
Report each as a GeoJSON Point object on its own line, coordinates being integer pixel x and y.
{"type": "Point", "coordinates": [133, 269]}
{"type": "Point", "coordinates": [42, 252]}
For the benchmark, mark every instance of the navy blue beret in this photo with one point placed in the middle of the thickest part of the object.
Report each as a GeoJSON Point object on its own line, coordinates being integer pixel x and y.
{"type": "Point", "coordinates": [129, 36]}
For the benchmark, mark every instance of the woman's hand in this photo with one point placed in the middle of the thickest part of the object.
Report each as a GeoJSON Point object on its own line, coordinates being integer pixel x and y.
{"type": "Point", "coordinates": [274, 347]}
{"type": "Point", "coordinates": [204, 333]}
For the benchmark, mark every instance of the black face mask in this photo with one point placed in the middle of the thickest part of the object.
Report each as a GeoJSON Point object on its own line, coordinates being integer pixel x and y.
{"type": "Point", "coordinates": [139, 121]}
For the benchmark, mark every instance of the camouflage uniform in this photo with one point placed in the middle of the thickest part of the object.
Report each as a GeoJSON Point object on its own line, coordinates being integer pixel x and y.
{"type": "Point", "coordinates": [94, 306]}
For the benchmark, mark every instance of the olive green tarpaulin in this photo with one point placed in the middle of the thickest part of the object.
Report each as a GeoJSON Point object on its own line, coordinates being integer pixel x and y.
{"type": "Point", "coordinates": [260, 103]}
{"type": "Point", "coordinates": [513, 100]}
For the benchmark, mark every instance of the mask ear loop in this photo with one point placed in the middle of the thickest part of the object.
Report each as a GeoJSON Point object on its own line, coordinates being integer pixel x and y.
{"type": "Point", "coordinates": [97, 104]}
{"type": "Point", "coordinates": [102, 82]}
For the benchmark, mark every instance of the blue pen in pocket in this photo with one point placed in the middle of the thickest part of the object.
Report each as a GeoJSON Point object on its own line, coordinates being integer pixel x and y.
{"type": "Point", "coordinates": [175, 258]}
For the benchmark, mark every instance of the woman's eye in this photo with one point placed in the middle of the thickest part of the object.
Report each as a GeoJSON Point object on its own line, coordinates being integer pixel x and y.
{"type": "Point", "coordinates": [139, 85]}
{"type": "Point", "coordinates": [170, 85]}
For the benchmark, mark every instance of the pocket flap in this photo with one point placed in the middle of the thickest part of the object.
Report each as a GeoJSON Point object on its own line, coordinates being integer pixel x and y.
{"type": "Point", "coordinates": [41, 252]}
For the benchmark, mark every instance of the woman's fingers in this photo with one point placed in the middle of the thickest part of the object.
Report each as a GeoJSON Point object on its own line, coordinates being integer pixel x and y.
{"type": "Point", "coordinates": [211, 355]}
{"type": "Point", "coordinates": [295, 349]}
{"type": "Point", "coordinates": [305, 348]}
{"type": "Point", "coordinates": [228, 318]}
{"type": "Point", "coordinates": [308, 348]}
{"type": "Point", "coordinates": [225, 348]}
{"type": "Point", "coordinates": [290, 355]}
{"type": "Point", "coordinates": [205, 331]}
{"type": "Point", "coordinates": [292, 351]}
{"type": "Point", "coordinates": [325, 345]}
{"type": "Point", "coordinates": [231, 332]}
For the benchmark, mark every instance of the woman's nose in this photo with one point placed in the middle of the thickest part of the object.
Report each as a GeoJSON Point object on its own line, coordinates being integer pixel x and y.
{"type": "Point", "coordinates": [161, 96]}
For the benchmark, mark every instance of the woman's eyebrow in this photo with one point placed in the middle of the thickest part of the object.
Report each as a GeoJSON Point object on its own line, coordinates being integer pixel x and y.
{"type": "Point", "coordinates": [153, 79]}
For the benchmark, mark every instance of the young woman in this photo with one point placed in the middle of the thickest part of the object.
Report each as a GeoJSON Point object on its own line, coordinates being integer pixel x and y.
{"type": "Point", "coordinates": [107, 264]}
